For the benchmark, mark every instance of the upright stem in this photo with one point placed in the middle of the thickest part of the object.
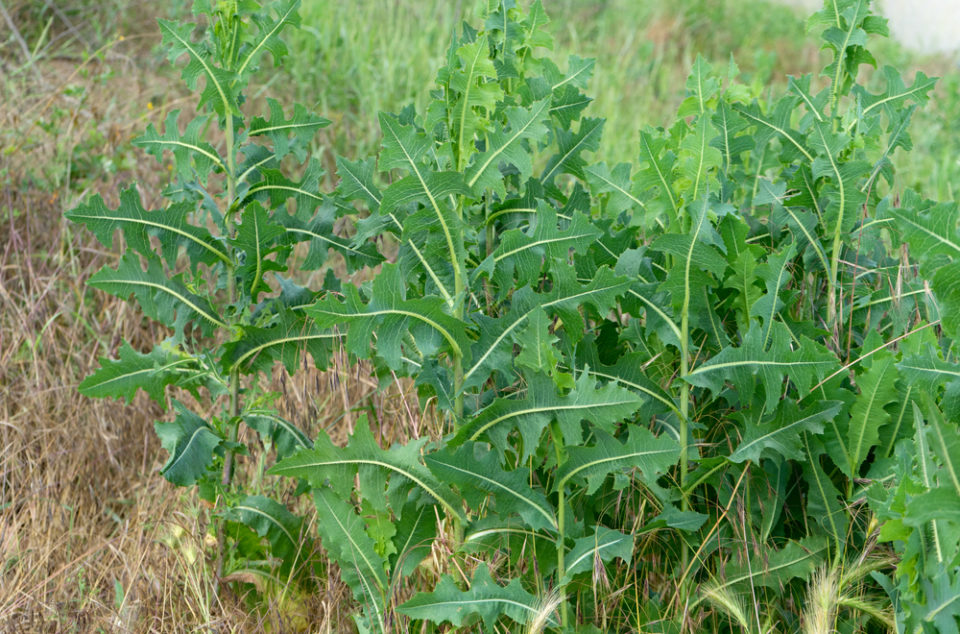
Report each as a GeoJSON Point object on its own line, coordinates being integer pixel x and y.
{"type": "Point", "coordinates": [234, 422]}
{"type": "Point", "coordinates": [561, 537]}
{"type": "Point", "coordinates": [684, 402]}
{"type": "Point", "coordinates": [460, 299]}
{"type": "Point", "coordinates": [232, 298]}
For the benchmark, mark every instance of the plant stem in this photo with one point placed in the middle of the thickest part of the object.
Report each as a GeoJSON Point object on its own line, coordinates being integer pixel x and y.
{"type": "Point", "coordinates": [232, 299]}
{"type": "Point", "coordinates": [234, 412]}
{"type": "Point", "coordinates": [561, 519]}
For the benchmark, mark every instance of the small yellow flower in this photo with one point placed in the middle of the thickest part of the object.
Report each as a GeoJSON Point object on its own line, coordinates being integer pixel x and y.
{"type": "Point", "coordinates": [149, 105]}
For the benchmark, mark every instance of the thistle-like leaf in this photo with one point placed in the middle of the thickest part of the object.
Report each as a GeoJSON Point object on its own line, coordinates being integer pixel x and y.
{"type": "Point", "coordinates": [191, 443]}
{"type": "Point", "coordinates": [195, 158]}
{"type": "Point", "coordinates": [589, 553]}
{"type": "Point", "coordinates": [274, 521]}
{"type": "Point", "coordinates": [521, 256]}
{"type": "Point", "coordinates": [783, 433]}
{"type": "Point", "coordinates": [288, 136]}
{"type": "Point", "coordinates": [274, 189]}
{"type": "Point", "coordinates": [388, 317]}
{"type": "Point", "coordinates": [268, 38]}
{"type": "Point", "coordinates": [286, 340]}
{"type": "Point", "coordinates": [651, 455]}
{"type": "Point", "coordinates": [877, 389]}
{"type": "Point", "coordinates": [824, 502]}
{"type": "Point", "coordinates": [602, 406]}
{"type": "Point", "coordinates": [505, 145]}
{"type": "Point", "coordinates": [752, 363]}
{"type": "Point", "coordinates": [282, 434]}
{"type": "Point", "coordinates": [256, 238]}
{"type": "Point", "coordinates": [413, 542]}
{"type": "Point", "coordinates": [219, 90]}
{"type": "Point", "coordinates": [131, 371]}
{"type": "Point", "coordinates": [348, 544]}
{"type": "Point", "coordinates": [317, 230]}
{"type": "Point", "coordinates": [170, 226]}
{"type": "Point", "coordinates": [476, 93]}
{"type": "Point", "coordinates": [357, 181]}
{"type": "Point", "coordinates": [796, 560]}
{"type": "Point", "coordinates": [656, 175]}
{"type": "Point", "coordinates": [571, 145]}
{"type": "Point", "coordinates": [931, 231]}
{"type": "Point", "coordinates": [163, 299]}
{"type": "Point", "coordinates": [485, 600]}
{"type": "Point", "coordinates": [617, 184]}
{"type": "Point", "coordinates": [477, 473]}
{"type": "Point", "coordinates": [327, 463]}
{"type": "Point", "coordinates": [493, 349]}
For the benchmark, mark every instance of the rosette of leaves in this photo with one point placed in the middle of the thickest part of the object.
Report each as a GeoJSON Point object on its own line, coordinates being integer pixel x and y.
{"type": "Point", "coordinates": [211, 263]}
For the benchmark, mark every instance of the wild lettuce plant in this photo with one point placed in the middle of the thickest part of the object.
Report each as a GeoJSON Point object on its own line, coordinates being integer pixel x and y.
{"type": "Point", "coordinates": [209, 264]}
{"type": "Point", "coordinates": [693, 391]}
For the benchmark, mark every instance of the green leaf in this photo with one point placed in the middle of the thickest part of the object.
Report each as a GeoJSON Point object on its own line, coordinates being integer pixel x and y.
{"type": "Point", "coordinates": [602, 406]}
{"type": "Point", "coordinates": [388, 316]}
{"type": "Point", "coordinates": [256, 238]}
{"type": "Point", "coordinates": [268, 36]}
{"type": "Point", "coordinates": [506, 145]}
{"type": "Point", "coordinates": [652, 455]}
{"type": "Point", "coordinates": [655, 176]}
{"type": "Point", "coordinates": [291, 135]}
{"type": "Point", "coordinates": [775, 273]}
{"type": "Point", "coordinates": [927, 371]}
{"type": "Point", "coordinates": [796, 560]}
{"type": "Point", "coordinates": [169, 226]}
{"type": "Point", "coordinates": [476, 93]}
{"type": "Point", "coordinates": [348, 544]}
{"type": "Point", "coordinates": [617, 184]}
{"type": "Point", "coordinates": [698, 157]}
{"type": "Point", "coordinates": [327, 462]}
{"type": "Point", "coordinates": [931, 231]}
{"type": "Point", "coordinates": [274, 189]}
{"type": "Point", "coordinates": [163, 299]}
{"type": "Point", "coordinates": [783, 434]}
{"type": "Point", "coordinates": [588, 552]}
{"type": "Point", "coordinates": [522, 255]}
{"type": "Point", "coordinates": [537, 350]}
{"type": "Point", "coordinates": [804, 364]}
{"type": "Point", "coordinates": [193, 156]}
{"type": "Point", "coordinates": [191, 443]}
{"type": "Point", "coordinates": [272, 520]}
{"type": "Point", "coordinates": [357, 181]}
{"type": "Point", "coordinates": [493, 349]}
{"type": "Point", "coordinates": [877, 389]}
{"type": "Point", "coordinates": [477, 473]}
{"type": "Point", "coordinates": [318, 231]}
{"type": "Point", "coordinates": [282, 434]}
{"type": "Point", "coordinates": [152, 372]}
{"type": "Point", "coordinates": [824, 502]}
{"type": "Point", "coordinates": [286, 340]}
{"type": "Point", "coordinates": [484, 600]}
{"type": "Point", "coordinates": [404, 148]}
{"type": "Point", "coordinates": [944, 439]}
{"type": "Point", "coordinates": [571, 145]}
{"type": "Point", "coordinates": [218, 89]}
{"type": "Point", "coordinates": [413, 542]}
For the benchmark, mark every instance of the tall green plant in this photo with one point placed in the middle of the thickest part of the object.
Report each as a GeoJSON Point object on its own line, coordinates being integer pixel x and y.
{"type": "Point", "coordinates": [209, 264]}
